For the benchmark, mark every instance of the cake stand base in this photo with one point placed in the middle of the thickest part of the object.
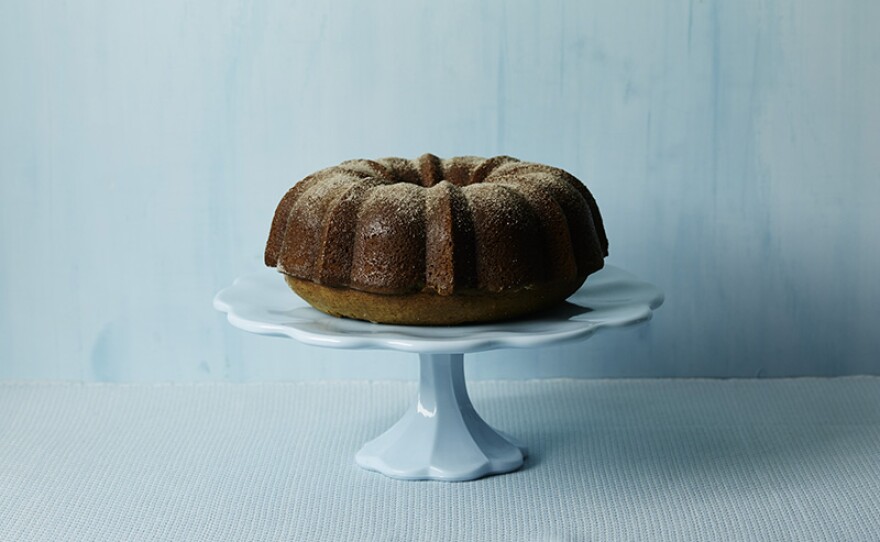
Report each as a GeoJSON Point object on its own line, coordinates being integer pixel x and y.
{"type": "Point", "coordinates": [442, 437]}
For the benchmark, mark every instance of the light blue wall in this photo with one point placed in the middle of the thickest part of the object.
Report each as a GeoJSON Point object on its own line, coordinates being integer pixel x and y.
{"type": "Point", "coordinates": [733, 147]}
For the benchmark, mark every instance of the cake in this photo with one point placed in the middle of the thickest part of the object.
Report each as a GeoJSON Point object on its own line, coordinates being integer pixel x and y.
{"type": "Point", "coordinates": [436, 241]}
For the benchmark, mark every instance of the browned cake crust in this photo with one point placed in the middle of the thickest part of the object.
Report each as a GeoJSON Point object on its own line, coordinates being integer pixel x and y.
{"type": "Point", "coordinates": [411, 241]}
{"type": "Point", "coordinates": [426, 308]}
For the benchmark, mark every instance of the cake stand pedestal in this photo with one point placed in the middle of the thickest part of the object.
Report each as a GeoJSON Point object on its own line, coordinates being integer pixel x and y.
{"type": "Point", "coordinates": [441, 437]}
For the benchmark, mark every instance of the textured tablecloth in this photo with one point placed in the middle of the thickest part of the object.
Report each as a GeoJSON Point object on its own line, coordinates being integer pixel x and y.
{"type": "Point", "coordinates": [791, 459]}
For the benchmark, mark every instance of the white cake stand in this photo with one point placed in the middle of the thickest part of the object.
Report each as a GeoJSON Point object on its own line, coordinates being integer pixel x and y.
{"type": "Point", "coordinates": [441, 437]}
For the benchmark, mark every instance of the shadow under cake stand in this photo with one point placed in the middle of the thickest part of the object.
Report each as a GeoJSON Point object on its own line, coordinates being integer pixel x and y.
{"type": "Point", "coordinates": [441, 437]}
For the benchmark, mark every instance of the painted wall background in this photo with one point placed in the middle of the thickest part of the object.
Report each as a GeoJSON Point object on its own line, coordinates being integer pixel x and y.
{"type": "Point", "coordinates": [733, 148]}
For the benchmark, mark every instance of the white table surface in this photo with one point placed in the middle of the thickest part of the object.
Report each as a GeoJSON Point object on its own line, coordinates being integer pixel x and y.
{"type": "Point", "coordinates": [795, 459]}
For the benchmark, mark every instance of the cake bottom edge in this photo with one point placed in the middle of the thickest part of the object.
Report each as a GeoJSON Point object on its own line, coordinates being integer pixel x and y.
{"type": "Point", "coordinates": [430, 309]}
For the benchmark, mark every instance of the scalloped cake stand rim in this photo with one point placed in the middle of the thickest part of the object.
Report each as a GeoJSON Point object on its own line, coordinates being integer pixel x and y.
{"type": "Point", "coordinates": [262, 303]}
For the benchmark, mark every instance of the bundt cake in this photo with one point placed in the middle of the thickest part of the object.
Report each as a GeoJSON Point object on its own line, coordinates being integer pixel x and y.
{"type": "Point", "coordinates": [436, 241]}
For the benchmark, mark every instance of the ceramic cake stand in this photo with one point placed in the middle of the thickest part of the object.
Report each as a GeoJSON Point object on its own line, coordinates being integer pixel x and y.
{"type": "Point", "coordinates": [441, 437]}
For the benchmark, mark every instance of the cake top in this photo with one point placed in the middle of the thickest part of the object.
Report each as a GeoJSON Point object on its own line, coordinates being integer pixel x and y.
{"type": "Point", "coordinates": [429, 170]}
{"type": "Point", "coordinates": [393, 225]}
